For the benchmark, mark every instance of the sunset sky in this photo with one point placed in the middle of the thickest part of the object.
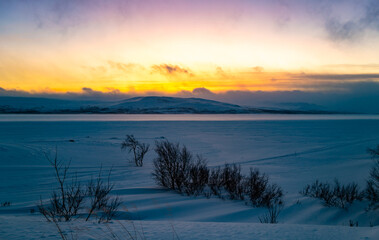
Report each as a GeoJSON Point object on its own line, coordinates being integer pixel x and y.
{"type": "Point", "coordinates": [176, 46]}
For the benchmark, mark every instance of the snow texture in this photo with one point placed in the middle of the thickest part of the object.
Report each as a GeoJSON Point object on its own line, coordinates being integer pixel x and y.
{"type": "Point", "coordinates": [292, 152]}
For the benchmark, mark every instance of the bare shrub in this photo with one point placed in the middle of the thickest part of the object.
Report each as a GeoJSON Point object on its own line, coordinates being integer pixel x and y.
{"type": "Point", "coordinates": [345, 195]}
{"type": "Point", "coordinates": [260, 192]}
{"type": "Point", "coordinates": [372, 188]}
{"type": "Point", "coordinates": [110, 209]}
{"type": "Point", "coordinates": [273, 195]}
{"type": "Point", "coordinates": [353, 223]}
{"type": "Point", "coordinates": [338, 195]}
{"type": "Point", "coordinates": [256, 185]}
{"type": "Point", "coordinates": [5, 204]}
{"type": "Point", "coordinates": [138, 149]}
{"type": "Point", "coordinates": [372, 194]}
{"type": "Point", "coordinates": [214, 181]}
{"type": "Point", "coordinates": [98, 192]}
{"type": "Point", "coordinates": [228, 179]}
{"type": "Point", "coordinates": [172, 166]}
{"type": "Point", "coordinates": [66, 201]}
{"type": "Point", "coordinates": [197, 177]}
{"type": "Point", "coordinates": [374, 152]}
{"type": "Point", "coordinates": [232, 181]}
{"type": "Point", "coordinates": [176, 169]}
{"type": "Point", "coordinates": [319, 190]}
{"type": "Point", "coordinates": [272, 215]}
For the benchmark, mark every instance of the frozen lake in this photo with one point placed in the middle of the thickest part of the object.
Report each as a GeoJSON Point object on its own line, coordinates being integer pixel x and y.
{"type": "Point", "coordinates": [179, 117]}
{"type": "Point", "coordinates": [292, 149]}
{"type": "Point", "coordinates": [318, 149]}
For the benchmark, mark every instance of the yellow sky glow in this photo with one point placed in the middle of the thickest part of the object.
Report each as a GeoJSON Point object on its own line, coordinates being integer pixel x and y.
{"type": "Point", "coordinates": [220, 50]}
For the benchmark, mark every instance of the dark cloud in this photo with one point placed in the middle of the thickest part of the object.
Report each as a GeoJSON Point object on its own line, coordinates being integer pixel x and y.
{"type": "Point", "coordinates": [168, 69]}
{"type": "Point", "coordinates": [339, 30]}
{"type": "Point", "coordinates": [371, 18]}
{"type": "Point", "coordinates": [202, 92]}
{"type": "Point", "coordinates": [90, 94]}
{"type": "Point", "coordinates": [185, 94]}
{"type": "Point", "coordinates": [342, 30]}
{"type": "Point", "coordinates": [87, 90]}
{"type": "Point", "coordinates": [66, 14]}
{"type": "Point", "coordinates": [86, 94]}
{"type": "Point", "coordinates": [358, 97]}
{"type": "Point", "coordinates": [350, 97]}
{"type": "Point", "coordinates": [283, 13]}
{"type": "Point", "coordinates": [13, 92]}
{"type": "Point", "coordinates": [63, 15]}
{"type": "Point", "coordinates": [336, 76]}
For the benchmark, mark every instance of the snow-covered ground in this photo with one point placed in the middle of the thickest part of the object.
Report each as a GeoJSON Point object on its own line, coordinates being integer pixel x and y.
{"type": "Point", "coordinates": [292, 152]}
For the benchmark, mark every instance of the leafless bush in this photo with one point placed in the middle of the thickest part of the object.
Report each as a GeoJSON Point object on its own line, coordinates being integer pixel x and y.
{"type": "Point", "coordinates": [353, 223]}
{"type": "Point", "coordinates": [256, 185]}
{"type": "Point", "coordinates": [228, 178]}
{"type": "Point", "coordinates": [273, 195]}
{"type": "Point", "coordinates": [260, 192]}
{"type": "Point", "coordinates": [197, 177]}
{"type": "Point", "coordinates": [372, 188]}
{"type": "Point", "coordinates": [319, 190]}
{"type": "Point", "coordinates": [98, 192]}
{"type": "Point", "coordinates": [66, 201]}
{"type": "Point", "coordinates": [238, 186]}
{"type": "Point", "coordinates": [139, 149]}
{"type": "Point", "coordinates": [372, 194]}
{"type": "Point", "coordinates": [345, 195]}
{"type": "Point", "coordinates": [338, 195]}
{"type": "Point", "coordinates": [272, 215]}
{"type": "Point", "coordinates": [374, 152]}
{"type": "Point", "coordinates": [176, 170]}
{"type": "Point", "coordinates": [214, 181]}
{"type": "Point", "coordinates": [232, 181]}
{"type": "Point", "coordinates": [5, 204]}
{"type": "Point", "coordinates": [110, 209]}
{"type": "Point", "coordinates": [172, 166]}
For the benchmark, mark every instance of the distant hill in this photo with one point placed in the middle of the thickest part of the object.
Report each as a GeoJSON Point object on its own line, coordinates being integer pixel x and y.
{"type": "Point", "coordinates": [175, 105]}
{"type": "Point", "coordinates": [136, 105]}
{"type": "Point", "coordinates": [40, 105]}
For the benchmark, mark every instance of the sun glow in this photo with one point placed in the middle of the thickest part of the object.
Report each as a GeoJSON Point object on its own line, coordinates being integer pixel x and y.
{"type": "Point", "coordinates": [174, 47]}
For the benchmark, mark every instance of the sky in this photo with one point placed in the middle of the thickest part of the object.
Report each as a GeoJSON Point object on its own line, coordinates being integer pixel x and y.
{"type": "Point", "coordinates": [188, 47]}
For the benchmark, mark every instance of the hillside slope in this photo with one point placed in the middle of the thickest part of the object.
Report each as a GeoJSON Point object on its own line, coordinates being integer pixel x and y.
{"type": "Point", "coordinates": [136, 105]}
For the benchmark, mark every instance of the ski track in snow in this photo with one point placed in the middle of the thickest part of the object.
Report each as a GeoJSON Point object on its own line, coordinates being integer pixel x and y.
{"type": "Point", "coordinates": [310, 151]}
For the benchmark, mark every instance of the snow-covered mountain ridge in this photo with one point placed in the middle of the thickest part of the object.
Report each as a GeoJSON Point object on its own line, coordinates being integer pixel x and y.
{"type": "Point", "coordinates": [136, 105]}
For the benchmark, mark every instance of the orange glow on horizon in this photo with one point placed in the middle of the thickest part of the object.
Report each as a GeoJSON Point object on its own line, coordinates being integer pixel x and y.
{"type": "Point", "coordinates": [161, 47]}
